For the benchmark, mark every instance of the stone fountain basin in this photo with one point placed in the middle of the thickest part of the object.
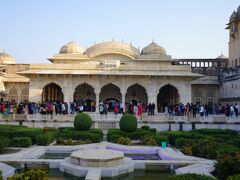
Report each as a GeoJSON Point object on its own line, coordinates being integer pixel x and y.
{"type": "Point", "coordinates": [97, 158]}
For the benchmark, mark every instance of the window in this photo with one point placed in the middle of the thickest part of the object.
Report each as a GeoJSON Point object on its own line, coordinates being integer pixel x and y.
{"type": "Point", "coordinates": [206, 64]}
{"type": "Point", "coordinates": [193, 64]}
{"type": "Point", "coordinates": [198, 64]}
{"type": "Point", "coordinates": [202, 64]}
{"type": "Point", "coordinates": [235, 62]}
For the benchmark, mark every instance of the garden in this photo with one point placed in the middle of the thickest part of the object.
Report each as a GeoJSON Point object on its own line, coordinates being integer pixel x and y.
{"type": "Point", "coordinates": [22, 136]}
{"type": "Point", "coordinates": [217, 144]}
{"type": "Point", "coordinates": [220, 145]}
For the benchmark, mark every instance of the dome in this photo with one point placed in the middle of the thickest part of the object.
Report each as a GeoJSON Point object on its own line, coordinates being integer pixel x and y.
{"type": "Point", "coordinates": [112, 47]}
{"type": "Point", "coordinates": [153, 48]}
{"type": "Point", "coordinates": [234, 16]}
{"type": "Point", "coordinates": [71, 48]}
{"type": "Point", "coordinates": [6, 58]}
{"type": "Point", "coordinates": [222, 57]}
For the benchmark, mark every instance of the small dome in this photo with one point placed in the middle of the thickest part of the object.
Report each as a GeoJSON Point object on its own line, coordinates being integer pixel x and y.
{"type": "Point", "coordinates": [6, 58]}
{"type": "Point", "coordinates": [71, 48]}
{"type": "Point", "coordinates": [153, 48]}
{"type": "Point", "coordinates": [234, 16]}
{"type": "Point", "coordinates": [222, 57]}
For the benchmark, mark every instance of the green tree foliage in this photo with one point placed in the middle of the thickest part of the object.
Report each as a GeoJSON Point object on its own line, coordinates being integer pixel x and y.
{"type": "Point", "coordinates": [128, 123]}
{"type": "Point", "coordinates": [83, 122]}
{"type": "Point", "coordinates": [33, 174]}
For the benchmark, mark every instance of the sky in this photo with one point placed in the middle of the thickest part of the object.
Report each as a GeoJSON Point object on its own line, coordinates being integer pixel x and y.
{"type": "Point", "coordinates": [32, 31]}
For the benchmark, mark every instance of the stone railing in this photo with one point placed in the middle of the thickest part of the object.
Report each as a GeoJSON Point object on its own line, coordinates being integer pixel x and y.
{"type": "Point", "coordinates": [113, 117]}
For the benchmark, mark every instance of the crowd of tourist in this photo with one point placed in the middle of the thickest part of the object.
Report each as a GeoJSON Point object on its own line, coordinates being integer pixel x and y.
{"type": "Point", "coordinates": [192, 110]}
{"type": "Point", "coordinates": [59, 107]}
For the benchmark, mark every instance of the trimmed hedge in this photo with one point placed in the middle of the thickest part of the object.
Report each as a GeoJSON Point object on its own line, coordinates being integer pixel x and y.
{"type": "Point", "coordinates": [145, 127]}
{"type": "Point", "coordinates": [206, 149]}
{"type": "Point", "coordinates": [94, 135]}
{"type": "Point", "coordinates": [160, 138]}
{"type": "Point", "coordinates": [128, 123]}
{"type": "Point", "coordinates": [21, 142]}
{"type": "Point", "coordinates": [44, 139]}
{"type": "Point", "coordinates": [181, 142]}
{"type": "Point", "coordinates": [114, 133]}
{"type": "Point", "coordinates": [12, 131]}
{"type": "Point", "coordinates": [189, 177]}
{"type": "Point", "coordinates": [4, 142]}
{"type": "Point", "coordinates": [228, 164]}
{"type": "Point", "coordinates": [235, 177]}
{"type": "Point", "coordinates": [211, 132]}
{"type": "Point", "coordinates": [82, 122]}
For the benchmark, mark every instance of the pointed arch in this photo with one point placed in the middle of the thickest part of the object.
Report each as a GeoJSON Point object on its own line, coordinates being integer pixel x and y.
{"type": "Point", "coordinates": [84, 94]}
{"type": "Point", "coordinates": [52, 92]}
{"type": "Point", "coordinates": [136, 93]}
{"type": "Point", "coordinates": [168, 94]}
{"type": "Point", "coordinates": [110, 91]}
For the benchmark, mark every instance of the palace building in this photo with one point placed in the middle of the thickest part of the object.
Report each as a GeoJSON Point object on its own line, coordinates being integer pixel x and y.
{"type": "Point", "coordinates": [112, 71]}
{"type": "Point", "coordinates": [229, 77]}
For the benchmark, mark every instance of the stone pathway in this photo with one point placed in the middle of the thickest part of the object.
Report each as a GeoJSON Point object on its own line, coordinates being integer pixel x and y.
{"type": "Point", "coordinates": [7, 170]}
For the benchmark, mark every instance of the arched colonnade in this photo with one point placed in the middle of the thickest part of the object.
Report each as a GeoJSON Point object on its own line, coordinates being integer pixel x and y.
{"type": "Point", "coordinates": [111, 93]}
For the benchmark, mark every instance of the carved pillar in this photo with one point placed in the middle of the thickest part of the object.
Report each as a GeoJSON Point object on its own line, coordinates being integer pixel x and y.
{"type": "Point", "coordinates": [67, 90]}
{"type": "Point", "coordinates": [97, 92]}
{"type": "Point", "coordinates": [35, 91]}
{"type": "Point", "coordinates": [185, 91]}
{"type": "Point", "coordinates": [97, 101]}
{"type": "Point", "coordinates": [152, 95]}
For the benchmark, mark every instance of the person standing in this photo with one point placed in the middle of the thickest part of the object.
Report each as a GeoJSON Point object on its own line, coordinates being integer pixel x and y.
{"type": "Point", "coordinates": [236, 107]}
{"type": "Point", "coordinates": [201, 110]}
{"type": "Point", "coordinates": [153, 109]}
{"type": "Point", "coordinates": [231, 110]}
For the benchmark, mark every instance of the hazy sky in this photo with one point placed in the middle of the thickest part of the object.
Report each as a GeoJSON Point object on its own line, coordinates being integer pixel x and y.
{"type": "Point", "coordinates": [32, 31]}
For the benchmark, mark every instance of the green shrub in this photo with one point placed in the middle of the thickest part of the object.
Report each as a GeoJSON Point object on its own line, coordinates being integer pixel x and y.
{"type": "Point", "coordinates": [145, 127]}
{"type": "Point", "coordinates": [189, 177]}
{"type": "Point", "coordinates": [82, 135]}
{"type": "Point", "coordinates": [1, 178]}
{"type": "Point", "coordinates": [160, 138]}
{"type": "Point", "coordinates": [227, 148]}
{"type": "Point", "coordinates": [211, 132]}
{"type": "Point", "coordinates": [60, 140]}
{"type": "Point", "coordinates": [114, 133]}
{"type": "Point", "coordinates": [82, 142]}
{"type": "Point", "coordinates": [174, 135]}
{"type": "Point", "coordinates": [149, 140]}
{"type": "Point", "coordinates": [181, 142]}
{"type": "Point", "coordinates": [128, 123]}
{"type": "Point", "coordinates": [113, 138]}
{"type": "Point", "coordinates": [21, 142]}
{"type": "Point", "coordinates": [206, 149]}
{"type": "Point", "coordinates": [153, 131]}
{"type": "Point", "coordinates": [12, 131]}
{"type": "Point", "coordinates": [228, 164]}
{"type": "Point", "coordinates": [69, 142]}
{"type": "Point", "coordinates": [124, 141]}
{"type": "Point", "coordinates": [32, 174]}
{"type": "Point", "coordinates": [50, 129]}
{"type": "Point", "coordinates": [187, 150]}
{"type": "Point", "coordinates": [234, 177]}
{"type": "Point", "coordinates": [82, 122]}
{"type": "Point", "coordinates": [138, 134]}
{"type": "Point", "coordinates": [4, 142]}
{"type": "Point", "coordinates": [44, 139]}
